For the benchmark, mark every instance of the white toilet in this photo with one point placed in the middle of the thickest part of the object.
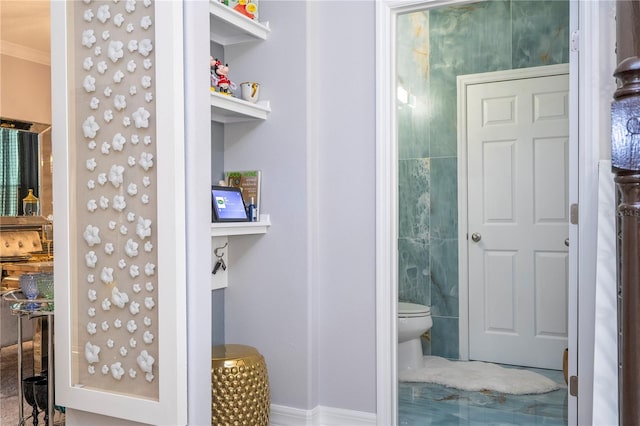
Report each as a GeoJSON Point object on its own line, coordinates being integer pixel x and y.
{"type": "Point", "coordinates": [413, 321]}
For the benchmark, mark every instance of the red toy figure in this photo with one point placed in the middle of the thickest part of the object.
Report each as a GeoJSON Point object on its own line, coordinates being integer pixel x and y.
{"type": "Point", "coordinates": [246, 8]}
{"type": "Point", "coordinates": [219, 77]}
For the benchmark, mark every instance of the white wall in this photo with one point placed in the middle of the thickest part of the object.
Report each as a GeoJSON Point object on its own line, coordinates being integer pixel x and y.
{"type": "Point", "coordinates": [303, 294]}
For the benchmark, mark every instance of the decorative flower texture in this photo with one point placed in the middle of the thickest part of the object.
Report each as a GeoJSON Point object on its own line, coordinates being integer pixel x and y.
{"type": "Point", "coordinates": [118, 142]}
{"type": "Point", "coordinates": [145, 199]}
{"type": "Point", "coordinates": [145, 361]}
{"type": "Point", "coordinates": [91, 369]}
{"type": "Point", "coordinates": [91, 278]}
{"type": "Point", "coordinates": [103, 13]}
{"type": "Point", "coordinates": [146, 160]}
{"type": "Point", "coordinates": [89, 84]}
{"type": "Point", "coordinates": [148, 246]}
{"type": "Point", "coordinates": [132, 45]}
{"type": "Point", "coordinates": [132, 189]}
{"type": "Point", "coordinates": [108, 115]}
{"type": "Point", "coordinates": [149, 377]}
{"type": "Point", "coordinates": [91, 235]}
{"type": "Point", "coordinates": [147, 321]}
{"type": "Point", "coordinates": [143, 228]}
{"type": "Point", "coordinates": [90, 127]}
{"type": "Point", "coordinates": [126, 121]}
{"type": "Point", "coordinates": [91, 205]}
{"type": "Point", "coordinates": [131, 217]}
{"type": "Point", "coordinates": [91, 164]}
{"type": "Point", "coordinates": [115, 51]}
{"type": "Point", "coordinates": [120, 102]}
{"type": "Point", "coordinates": [147, 140]}
{"type": "Point", "coordinates": [145, 47]}
{"type": "Point", "coordinates": [133, 90]}
{"type": "Point", "coordinates": [123, 351]}
{"type": "Point", "coordinates": [131, 248]}
{"type": "Point", "coordinates": [92, 295]}
{"type": "Point", "coordinates": [118, 203]}
{"type": "Point", "coordinates": [122, 264]}
{"type": "Point", "coordinates": [134, 308]}
{"type": "Point", "coordinates": [104, 326]}
{"type": "Point", "coordinates": [97, 51]}
{"type": "Point", "coordinates": [88, 15]}
{"type": "Point", "coordinates": [131, 65]}
{"type": "Point", "coordinates": [91, 259]}
{"type": "Point", "coordinates": [106, 35]}
{"type": "Point", "coordinates": [91, 328]}
{"type": "Point", "coordinates": [115, 175]}
{"type": "Point", "coordinates": [87, 64]}
{"type": "Point", "coordinates": [106, 276]}
{"type": "Point", "coordinates": [102, 179]}
{"type": "Point", "coordinates": [145, 81]}
{"type": "Point", "coordinates": [91, 145]}
{"type": "Point", "coordinates": [135, 139]}
{"type": "Point", "coordinates": [112, 224]}
{"type": "Point", "coordinates": [105, 368]}
{"type": "Point", "coordinates": [118, 20]}
{"type": "Point", "coordinates": [106, 304]}
{"type": "Point", "coordinates": [148, 97]}
{"type": "Point", "coordinates": [147, 3]}
{"type": "Point", "coordinates": [105, 147]}
{"type": "Point", "coordinates": [108, 248]}
{"type": "Point", "coordinates": [134, 271]}
{"type": "Point", "coordinates": [130, 7]}
{"type": "Point", "coordinates": [91, 184]}
{"type": "Point", "coordinates": [149, 303]}
{"type": "Point", "coordinates": [119, 298]}
{"type": "Point", "coordinates": [133, 343]}
{"type": "Point", "coordinates": [88, 38]}
{"type": "Point", "coordinates": [141, 118]}
{"type": "Point", "coordinates": [147, 64]}
{"type": "Point", "coordinates": [149, 269]}
{"type": "Point", "coordinates": [117, 371]}
{"type": "Point", "coordinates": [110, 343]}
{"type": "Point", "coordinates": [149, 286]}
{"type": "Point", "coordinates": [91, 312]}
{"type": "Point", "coordinates": [104, 202]}
{"type": "Point", "coordinates": [132, 326]}
{"type": "Point", "coordinates": [117, 323]}
{"type": "Point", "coordinates": [107, 91]}
{"type": "Point", "coordinates": [130, 28]}
{"type": "Point", "coordinates": [131, 161]}
{"type": "Point", "coordinates": [91, 353]}
{"type": "Point", "coordinates": [136, 288]}
{"type": "Point", "coordinates": [102, 67]}
{"type": "Point", "coordinates": [123, 230]}
{"type": "Point", "coordinates": [145, 22]}
{"type": "Point", "coordinates": [132, 373]}
{"type": "Point", "coordinates": [146, 181]}
{"type": "Point", "coordinates": [147, 337]}
{"type": "Point", "coordinates": [94, 103]}
{"type": "Point", "coordinates": [118, 76]}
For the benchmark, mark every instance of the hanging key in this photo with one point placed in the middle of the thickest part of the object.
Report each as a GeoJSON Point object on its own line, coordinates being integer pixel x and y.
{"type": "Point", "coordinates": [219, 264]}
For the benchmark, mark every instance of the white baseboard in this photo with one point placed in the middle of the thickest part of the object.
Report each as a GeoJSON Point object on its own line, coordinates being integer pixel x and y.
{"type": "Point", "coordinates": [320, 416]}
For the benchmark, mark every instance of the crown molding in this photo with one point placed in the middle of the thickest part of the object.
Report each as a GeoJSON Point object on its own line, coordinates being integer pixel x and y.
{"type": "Point", "coordinates": [25, 53]}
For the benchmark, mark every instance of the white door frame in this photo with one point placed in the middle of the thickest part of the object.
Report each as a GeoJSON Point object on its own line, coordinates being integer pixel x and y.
{"type": "Point", "coordinates": [463, 243]}
{"type": "Point", "coordinates": [590, 73]}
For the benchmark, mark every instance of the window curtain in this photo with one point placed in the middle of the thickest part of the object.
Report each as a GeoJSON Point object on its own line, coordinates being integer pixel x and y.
{"type": "Point", "coordinates": [28, 154]}
{"type": "Point", "coordinates": [9, 172]}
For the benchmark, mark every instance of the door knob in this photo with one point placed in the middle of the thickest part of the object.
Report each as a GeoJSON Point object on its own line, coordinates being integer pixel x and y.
{"type": "Point", "coordinates": [476, 237]}
{"type": "Point", "coordinates": [566, 242]}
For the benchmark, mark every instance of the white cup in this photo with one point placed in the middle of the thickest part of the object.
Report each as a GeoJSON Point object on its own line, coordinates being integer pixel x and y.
{"type": "Point", "coordinates": [250, 91]}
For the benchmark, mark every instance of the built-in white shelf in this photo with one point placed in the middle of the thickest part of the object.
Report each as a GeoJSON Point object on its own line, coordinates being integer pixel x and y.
{"type": "Point", "coordinates": [227, 109]}
{"type": "Point", "coordinates": [241, 228]}
{"type": "Point", "coordinates": [228, 26]}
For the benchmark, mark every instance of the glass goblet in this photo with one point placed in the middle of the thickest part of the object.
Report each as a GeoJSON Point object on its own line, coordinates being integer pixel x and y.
{"type": "Point", "coordinates": [29, 287]}
{"type": "Point", "coordinates": [45, 287]}
{"type": "Point", "coordinates": [28, 392]}
{"type": "Point", "coordinates": [41, 391]}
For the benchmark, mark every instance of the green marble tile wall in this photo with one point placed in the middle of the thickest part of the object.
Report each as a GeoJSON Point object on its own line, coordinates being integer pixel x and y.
{"type": "Point", "coordinates": [433, 48]}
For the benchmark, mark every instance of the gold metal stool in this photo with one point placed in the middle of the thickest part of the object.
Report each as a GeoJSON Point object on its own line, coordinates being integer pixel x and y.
{"type": "Point", "coordinates": [240, 386]}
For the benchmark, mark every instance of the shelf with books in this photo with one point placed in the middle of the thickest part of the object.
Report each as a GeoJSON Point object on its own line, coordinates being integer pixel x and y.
{"type": "Point", "coordinates": [227, 109]}
{"type": "Point", "coordinates": [241, 228]}
{"type": "Point", "coordinates": [230, 27]}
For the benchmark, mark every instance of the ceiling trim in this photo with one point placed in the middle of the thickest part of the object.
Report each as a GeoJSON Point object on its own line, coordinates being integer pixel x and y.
{"type": "Point", "coordinates": [25, 53]}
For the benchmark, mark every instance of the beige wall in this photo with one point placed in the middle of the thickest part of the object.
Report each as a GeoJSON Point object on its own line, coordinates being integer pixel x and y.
{"type": "Point", "coordinates": [26, 90]}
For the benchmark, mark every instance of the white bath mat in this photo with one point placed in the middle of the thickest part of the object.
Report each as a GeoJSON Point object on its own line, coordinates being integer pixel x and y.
{"type": "Point", "coordinates": [478, 376]}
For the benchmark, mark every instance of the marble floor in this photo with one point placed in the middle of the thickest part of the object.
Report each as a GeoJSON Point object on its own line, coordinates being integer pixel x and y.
{"type": "Point", "coordinates": [424, 404]}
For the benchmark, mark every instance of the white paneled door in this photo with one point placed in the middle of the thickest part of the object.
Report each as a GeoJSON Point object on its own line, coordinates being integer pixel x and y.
{"type": "Point", "coordinates": [518, 220]}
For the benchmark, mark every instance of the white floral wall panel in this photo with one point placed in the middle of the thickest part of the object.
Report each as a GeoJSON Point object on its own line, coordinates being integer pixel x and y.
{"type": "Point", "coordinates": [116, 286]}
